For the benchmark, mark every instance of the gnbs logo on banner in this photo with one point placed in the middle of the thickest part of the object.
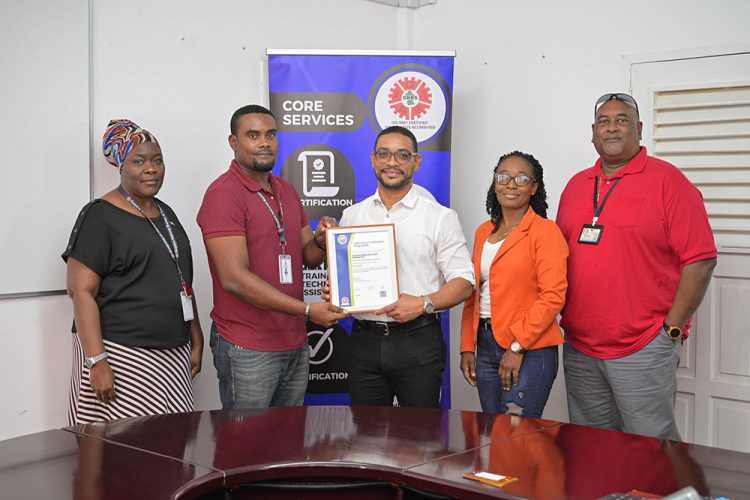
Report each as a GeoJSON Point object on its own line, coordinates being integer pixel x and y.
{"type": "Point", "coordinates": [411, 99]}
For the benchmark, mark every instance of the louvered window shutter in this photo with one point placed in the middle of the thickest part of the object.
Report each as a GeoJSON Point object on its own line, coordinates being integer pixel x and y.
{"type": "Point", "coordinates": [706, 134]}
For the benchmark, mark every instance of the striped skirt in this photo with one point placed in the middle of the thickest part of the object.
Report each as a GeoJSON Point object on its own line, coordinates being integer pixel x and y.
{"type": "Point", "coordinates": [147, 382]}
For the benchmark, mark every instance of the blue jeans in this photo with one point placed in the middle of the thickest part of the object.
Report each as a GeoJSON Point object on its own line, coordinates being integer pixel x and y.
{"type": "Point", "coordinates": [538, 372]}
{"type": "Point", "coordinates": [255, 379]}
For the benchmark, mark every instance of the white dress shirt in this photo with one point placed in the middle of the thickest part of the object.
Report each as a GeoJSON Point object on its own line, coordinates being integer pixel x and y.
{"type": "Point", "coordinates": [430, 244]}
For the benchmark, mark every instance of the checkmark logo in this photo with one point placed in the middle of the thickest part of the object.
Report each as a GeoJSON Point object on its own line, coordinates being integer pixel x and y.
{"type": "Point", "coordinates": [316, 346]}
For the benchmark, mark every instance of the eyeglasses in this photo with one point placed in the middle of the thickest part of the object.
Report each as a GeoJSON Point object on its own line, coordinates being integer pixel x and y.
{"type": "Point", "coordinates": [402, 156]}
{"type": "Point", "coordinates": [620, 97]}
{"type": "Point", "coordinates": [520, 180]}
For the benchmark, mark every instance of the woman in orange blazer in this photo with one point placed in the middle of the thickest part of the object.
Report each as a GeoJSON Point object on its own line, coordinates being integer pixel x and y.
{"type": "Point", "coordinates": [509, 330]}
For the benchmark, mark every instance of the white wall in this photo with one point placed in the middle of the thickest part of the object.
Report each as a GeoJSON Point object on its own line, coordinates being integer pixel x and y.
{"type": "Point", "coordinates": [526, 77]}
{"type": "Point", "coordinates": [179, 69]}
{"type": "Point", "coordinates": [527, 74]}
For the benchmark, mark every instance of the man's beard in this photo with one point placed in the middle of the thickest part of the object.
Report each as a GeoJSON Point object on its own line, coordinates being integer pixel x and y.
{"type": "Point", "coordinates": [403, 182]}
{"type": "Point", "coordinates": [264, 166]}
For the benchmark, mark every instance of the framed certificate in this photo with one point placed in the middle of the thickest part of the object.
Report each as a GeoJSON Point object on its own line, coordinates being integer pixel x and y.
{"type": "Point", "coordinates": [362, 267]}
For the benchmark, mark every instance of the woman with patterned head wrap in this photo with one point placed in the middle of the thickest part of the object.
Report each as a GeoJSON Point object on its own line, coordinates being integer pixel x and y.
{"type": "Point", "coordinates": [137, 341]}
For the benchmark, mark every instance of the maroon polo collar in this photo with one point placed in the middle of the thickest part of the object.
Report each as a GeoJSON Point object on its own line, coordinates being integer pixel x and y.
{"type": "Point", "coordinates": [248, 181]}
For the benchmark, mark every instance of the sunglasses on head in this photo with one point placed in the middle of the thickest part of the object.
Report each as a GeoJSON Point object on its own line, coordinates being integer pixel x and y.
{"type": "Point", "coordinates": [620, 97]}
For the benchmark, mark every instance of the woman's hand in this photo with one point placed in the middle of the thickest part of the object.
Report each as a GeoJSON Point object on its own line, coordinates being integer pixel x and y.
{"type": "Point", "coordinates": [510, 367]}
{"type": "Point", "coordinates": [103, 381]}
{"type": "Point", "coordinates": [469, 367]}
{"type": "Point", "coordinates": [196, 342]}
{"type": "Point", "coordinates": [83, 288]}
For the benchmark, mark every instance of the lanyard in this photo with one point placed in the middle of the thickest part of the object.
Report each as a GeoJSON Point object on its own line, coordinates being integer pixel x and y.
{"type": "Point", "coordinates": [173, 250]}
{"type": "Point", "coordinates": [278, 221]}
{"type": "Point", "coordinates": [598, 209]}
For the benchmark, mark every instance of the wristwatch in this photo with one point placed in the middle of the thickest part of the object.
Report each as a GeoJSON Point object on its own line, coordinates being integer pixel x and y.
{"type": "Point", "coordinates": [428, 308]}
{"type": "Point", "coordinates": [306, 317]}
{"type": "Point", "coordinates": [90, 362]}
{"type": "Point", "coordinates": [516, 347]}
{"type": "Point", "coordinates": [674, 333]}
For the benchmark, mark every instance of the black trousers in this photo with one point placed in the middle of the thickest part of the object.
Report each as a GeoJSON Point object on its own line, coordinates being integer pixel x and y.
{"type": "Point", "coordinates": [406, 363]}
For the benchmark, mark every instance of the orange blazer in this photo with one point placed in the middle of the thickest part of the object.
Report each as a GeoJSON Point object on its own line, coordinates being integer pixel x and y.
{"type": "Point", "coordinates": [527, 285]}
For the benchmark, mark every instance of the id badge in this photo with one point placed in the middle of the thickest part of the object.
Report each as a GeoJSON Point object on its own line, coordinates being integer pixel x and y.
{"type": "Point", "coordinates": [590, 234]}
{"type": "Point", "coordinates": [187, 306]}
{"type": "Point", "coordinates": [285, 269]}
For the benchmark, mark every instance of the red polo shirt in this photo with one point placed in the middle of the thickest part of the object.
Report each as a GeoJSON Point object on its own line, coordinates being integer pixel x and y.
{"type": "Point", "coordinates": [620, 290]}
{"type": "Point", "coordinates": [232, 207]}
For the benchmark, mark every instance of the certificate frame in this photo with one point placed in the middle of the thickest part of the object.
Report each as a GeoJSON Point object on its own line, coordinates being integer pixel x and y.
{"type": "Point", "coordinates": [362, 266]}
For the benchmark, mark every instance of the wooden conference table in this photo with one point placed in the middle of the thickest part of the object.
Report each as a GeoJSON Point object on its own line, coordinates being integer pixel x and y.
{"type": "Point", "coordinates": [360, 452]}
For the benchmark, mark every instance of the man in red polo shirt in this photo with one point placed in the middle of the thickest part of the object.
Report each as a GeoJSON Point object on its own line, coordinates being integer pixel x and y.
{"type": "Point", "coordinates": [257, 237]}
{"type": "Point", "coordinates": [641, 257]}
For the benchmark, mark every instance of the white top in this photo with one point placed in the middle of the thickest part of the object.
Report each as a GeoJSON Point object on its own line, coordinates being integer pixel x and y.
{"type": "Point", "coordinates": [489, 250]}
{"type": "Point", "coordinates": [430, 244]}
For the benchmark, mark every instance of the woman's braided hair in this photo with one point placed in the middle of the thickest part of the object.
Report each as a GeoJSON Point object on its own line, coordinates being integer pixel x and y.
{"type": "Point", "coordinates": [538, 201]}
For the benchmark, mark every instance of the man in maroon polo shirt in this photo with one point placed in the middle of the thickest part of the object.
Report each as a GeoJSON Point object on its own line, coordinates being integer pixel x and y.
{"type": "Point", "coordinates": [641, 257]}
{"type": "Point", "coordinates": [257, 237]}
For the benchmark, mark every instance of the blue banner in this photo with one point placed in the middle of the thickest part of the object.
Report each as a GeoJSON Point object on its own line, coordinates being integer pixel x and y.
{"type": "Point", "coordinates": [329, 109]}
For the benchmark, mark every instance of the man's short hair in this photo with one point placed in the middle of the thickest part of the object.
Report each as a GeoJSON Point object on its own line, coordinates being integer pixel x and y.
{"type": "Point", "coordinates": [246, 110]}
{"type": "Point", "coordinates": [395, 129]}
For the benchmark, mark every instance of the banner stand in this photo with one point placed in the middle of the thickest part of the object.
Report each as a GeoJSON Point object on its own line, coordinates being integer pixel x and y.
{"type": "Point", "coordinates": [329, 107]}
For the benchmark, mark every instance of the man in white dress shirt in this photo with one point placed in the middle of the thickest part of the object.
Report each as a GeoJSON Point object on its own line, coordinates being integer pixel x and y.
{"type": "Point", "coordinates": [399, 350]}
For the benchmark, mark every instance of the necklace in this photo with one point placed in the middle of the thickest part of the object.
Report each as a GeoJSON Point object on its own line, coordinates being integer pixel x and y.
{"type": "Point", "coordinates": [503, 234]}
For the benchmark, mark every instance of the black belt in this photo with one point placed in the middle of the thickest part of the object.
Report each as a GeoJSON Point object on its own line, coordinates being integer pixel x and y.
{"type": "Point", "coordinates": [485, 323]}
{"type": "Point", "coordinates": [388, 327]}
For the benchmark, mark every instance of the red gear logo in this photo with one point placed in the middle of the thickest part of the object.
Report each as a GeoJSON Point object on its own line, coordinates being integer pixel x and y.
{"type": "Point", "coordinates": [410, 98]}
